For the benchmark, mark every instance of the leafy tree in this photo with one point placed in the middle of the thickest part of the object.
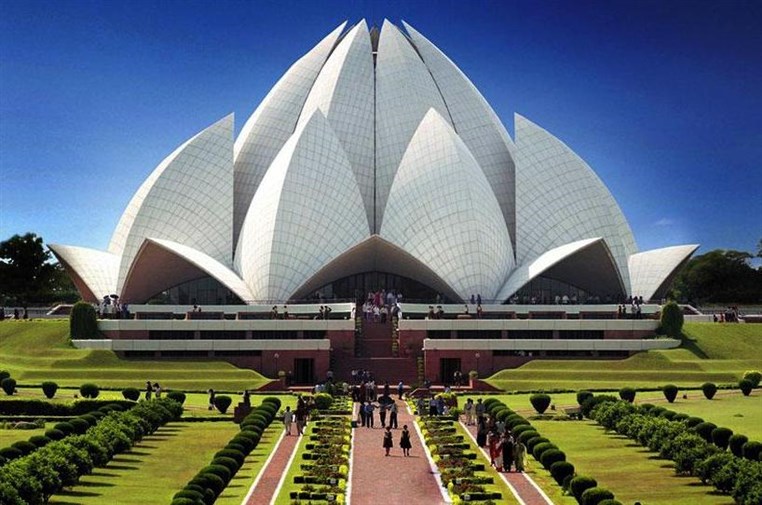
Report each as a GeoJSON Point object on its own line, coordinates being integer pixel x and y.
{"type": "Point", "coordinates": [25, 270]}
{"type": "Point", "coordinates": [721, 276]}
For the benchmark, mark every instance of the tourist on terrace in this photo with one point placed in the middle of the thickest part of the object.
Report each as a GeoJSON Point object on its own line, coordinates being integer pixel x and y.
{"type": "Point", "coordinates": [274, 312]}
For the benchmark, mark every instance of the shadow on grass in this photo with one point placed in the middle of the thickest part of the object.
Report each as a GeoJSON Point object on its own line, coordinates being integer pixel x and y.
{"type": "Point", "coordinates": [139, 453]}
{"type": "Point", "coordinates": [122, 459]}
{"type": "Point", "coordinates": [690, 345]}
{"type": "Point", "coordinates": [104, 474]}
{"type": "Point", "coordinates": [70, 493]}
{"type": "Point", "coordinates": [123, 467]}
{"type": "Point", "coordinates": [95, 484]}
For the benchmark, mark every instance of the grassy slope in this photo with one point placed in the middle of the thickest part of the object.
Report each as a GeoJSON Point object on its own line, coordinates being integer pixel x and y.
{"type": "Point", "coordinates": [153, 471]}
{"type": "Point", "coordinates": [36, 351]}
{"type": "Point", "coordinates": [711, 352]}
{"type": "Point", "coordinates": [626, 468]}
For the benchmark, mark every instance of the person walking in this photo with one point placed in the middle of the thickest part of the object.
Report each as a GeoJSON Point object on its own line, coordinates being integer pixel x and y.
{"type": "Point", "coordinates": [468, 409]}
{"type": "Point", "coordinates": [479, 409]}
{"type": "Point", "coordinates": [369, 408]}
{"type": "Point", "coordinates": [149, 390]}
{"type": "Point", "coordinates": [393, 416]}
{"type": "Point", "coordinates": [400, 389]}
{"type": "Point", "coordinates": [363, 417]}
{"type": "Point", "coordinates": [481, 432]}
{"type": "Point", "coordinates": [507, 449]}
{"type": "Point", "coordinates": [519, 455]}
{"type": "Point", "coordinates": [405, 444]}
{"type": "Point", "coordinates": [211, 398]}
{"type": "Point", "coordinates": [382, 414]}
{"type": "Point", "coordinates": [288, 419]}
{"type": "Point", "coordinates": [388, 441]}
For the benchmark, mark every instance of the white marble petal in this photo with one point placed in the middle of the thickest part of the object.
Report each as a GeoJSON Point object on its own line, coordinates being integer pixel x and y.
{"type": "Point", "coordinates": [343, 91]}
{"type": "Point", "coordinates": [307, 211]}
{"type": "Point", "coordinates": [651, 271]}
{"type": "Point", "coordinates": [273, 122]}
{"type": "Point", "coordinates": [442, 210]}
{"type": "Point", "coordinates": [559, 200]}
{"type": "Point", "coordinates": [476, 124]}
{"type": "Point", "coordinates": [188, 199]}
{"type": "Point", "coordinates": [94, 272]}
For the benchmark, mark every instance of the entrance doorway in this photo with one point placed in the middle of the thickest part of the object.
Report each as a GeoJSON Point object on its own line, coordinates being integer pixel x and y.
{"type": "Point", "coordinates": [304, 371]}
{"type": "Point", "coordinates": [447, 367]}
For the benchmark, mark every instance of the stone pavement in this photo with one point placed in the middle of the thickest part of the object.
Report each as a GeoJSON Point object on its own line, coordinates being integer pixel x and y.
{"type": "Point", "coordinates": [395, 479]}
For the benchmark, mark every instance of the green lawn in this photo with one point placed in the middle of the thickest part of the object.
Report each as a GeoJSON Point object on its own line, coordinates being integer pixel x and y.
{"type": "Point", "coordinates": [39, 350]}
{"type": "Point", "coordinates": [155, 469]}
{"type": "Point", "coordinates": [718, 353]}
{"type": "Point", "coordinates": [624, 467]}
{"type": "Point", "coordinates": [8, 437]}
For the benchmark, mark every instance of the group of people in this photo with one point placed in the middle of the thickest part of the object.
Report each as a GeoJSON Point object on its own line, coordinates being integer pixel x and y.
{"type": "Point", "coordinates": [111, 308]}
{"type": "Point", "coordinates": [404, 442]}
{"type": "Point", "coordinates": [380, 305]}
{"type": "Point", "coordinates": [274, 314]}
{"type": "Point", "coordinates": [299, 416]}
{"type": "Point", "coordinates": [152, 389]}
{"type": "Point", "coordinates": [729, 316]}
{"type": "Point", "coordinates": [17, 314]}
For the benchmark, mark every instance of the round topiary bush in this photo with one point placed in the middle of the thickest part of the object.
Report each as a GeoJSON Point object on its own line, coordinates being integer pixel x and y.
{"type": "Point", "coordinates": [89, 390]}
{"type": "Point", "coordinates": [670, 392]}
{"type": "Point", "coordinates": [709, 389]}
{"type": "Point", "coordinates": [83, 322]}
{"type": "Point", "coordinates": [222, 402]}
{"type": "Point", "coordinates": [131, 394]}
{"type": "Point", "coordinates": [596, 495]}
{"type": "Point", "coordinates": [672, 320]}
{"type": "Point", "coordinates": [323, 401]}
{"type": "Point", "coordinates": [218, 470]}
{"type": "Point", "coordinates": [10, 453]}
{"type": "Point", "coordinates": [534, 441]}
{"type": "Point", "coordinates": [541, 448]}
{"type": "Point", "coordinates": [194, 496]}
{"type": "Point", "coordinates": [228, 463]}
{"type": "Point", "coordinates": [184, 501]}
{"type": "Point", "coordinates": [736, 443]}
{"type": "Point", "coordinates": [80, 425]}
{"type": "Point", "coordinates": [551, 456]}
{"type": "Point", "coordinates": [580, 484]}
{"type": "Point", "coordinates": [40, 440]}
{"type": "Point", "coordinates": [560, 470]}
{"type": "Point", "coordinates": [627, 394]}
{"type": "Point", "coordinates": [752, 450]}
{"type": "Point", "coordinates": [704, 430]}
{"type": "Point", "coordinates": [4, 374]}
{"type": "Point", "coordinates": [582, 396]}
{"type": "Point", "coordinates": [610, 501]}
{"type": "Point", "coordinates": [177, 396]}
{"type": "Point", "coordinates": [540, 402]}
{"type": "Point", "coordinates": [49, 389]}
{"type": "Point", "coordinates": [9, 385]}
{"type": "Point", "coordinates": [754, 376]}
{"type": "Point", "coordinates": [55, 434]}
{"type": "Point", "coordinates": [745, 385]}
{"type": "Point", "coordinates": [521, 428]}
{"type": "Point", "coordinates": [721, 437]}
{"type": "Point", "coordinates": [668, 414]}
{"type": "Point", "coordinates": [692, 422]}
{"type": "Point", "coordinates": [24, 446]}
{"type": "Point", "coordinates": [65, 427]}
{"type": "Point", "coordinates": [235, 455]}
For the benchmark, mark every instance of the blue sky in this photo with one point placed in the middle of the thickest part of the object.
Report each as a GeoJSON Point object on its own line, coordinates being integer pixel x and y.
{"type": "Point", "coordinates": [662, 98]}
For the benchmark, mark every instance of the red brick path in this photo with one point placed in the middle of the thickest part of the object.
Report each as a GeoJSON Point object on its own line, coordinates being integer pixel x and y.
{"type": "Point", "coordinates": [271, 474]}
{"type": "Point", "coordinates": [520, 483]}
{"type": "Point", "coordinates": [394, 479]}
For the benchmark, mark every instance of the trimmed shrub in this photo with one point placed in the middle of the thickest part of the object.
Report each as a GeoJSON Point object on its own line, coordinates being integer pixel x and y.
{"type": "Point", "coordinates": [65, 426]}
{"type": "Point", "coordinates": [55, 434]}
{"type": "Point", "coordinates": [668, 414]}
{"type": "Point", "coordinates": [89, 390]}
{"type": "Point", "coordinates": [80, 425]}
{"type": "Point", "coordinates": [540, 448]}
{"type": "Point", "coordinates": [235, 455]}
{"type": "Point", "coordinates": [751, 450]}
{"type": "Point", "coordinates": [194, 496]}
{"type": "Point", "coordinates": [692, 422]}
{"type": "Point", "coordinates": [9, 385]}
{"type": "Point", "coordinates": [132, 394]}
{"type": "Point", "coordinates": [4, 374]}
{"type": "Point", "coordinates": [680, 417]}
{"type": "Point", "coordinates": [222, 402]}
{"type": "Point", "coordinates": [524, 436]}
{"type": "Point", "coordinates": [610, 501]}
{"type": "Point", "coordinates": [670, 392]}
{"type": "Point", "coordinates": [228, 463]}
{"type": "Point", "coordinates": [754, 376]}
{"type": "Point", "coordinates": [745, 385]}
{"type": "Point", "coordinates": [627, 394]}
{"type": "Point", "coordinates": [24, 446]}
{"type": "Point", "coordinates": [721, 437]}
{"type": "Point", "coordinates": [540, 402]}
{"type": "Point", "coordinates": [535, 441]}
{"type": "Point", "coordinates": [582, 396]}
{"type": "Point", "coordinates": [709, 389]}
{"type": "Point", "coordinates": [49, 389]}
{"type": "Point", "coordinates": [521, 428]}
{"type": "Point", "coordinates": [40, 440]}
{"type": "Point", "coordinates": [218, 470]}
{"type": "Point", "coordinates": [672, 319]}
{"type": "Point", "coordinates": [83, 322]}
{"type": "Point", "coordinates": [589, 404]}
{"type": "Point", "coordinates": [736, 443]}
{"type": "Point", "coordinates": [323, 401]}
{"type": "Point", "coordinates": [10, 453]}
{"type": "Point", "coordinates": [580, 484]}
{"type": "Point", "coordinates": [704, 430]}
{"type": "Point", "coordinates": [177, 396]}
{"type": "Point", "coordinates": [596, 495]}
{"type": "Point", "coordinates": [551, 456]}
{"type": "Point", "coordinates": [560, 470]}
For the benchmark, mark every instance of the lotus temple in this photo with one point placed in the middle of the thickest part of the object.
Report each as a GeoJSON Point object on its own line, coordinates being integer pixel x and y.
{"type": "Point", "coordinates": [374, 163]}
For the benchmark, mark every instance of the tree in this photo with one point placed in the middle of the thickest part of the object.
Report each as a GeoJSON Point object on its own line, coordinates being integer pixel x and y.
{"type": "Point", "coordinates": [25, 272]}
{"type": "Point", "coordinates": [720, 276]}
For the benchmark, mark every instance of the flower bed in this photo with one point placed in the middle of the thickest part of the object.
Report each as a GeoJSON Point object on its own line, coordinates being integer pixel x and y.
{"type": "Point", "coordinates": [324, 478]}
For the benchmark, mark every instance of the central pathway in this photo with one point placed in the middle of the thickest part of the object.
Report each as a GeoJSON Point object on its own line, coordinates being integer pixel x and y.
{"type": "Point", "coordinates": [393, 479]}
{"type": "Point", "coordinates": [265, 487]}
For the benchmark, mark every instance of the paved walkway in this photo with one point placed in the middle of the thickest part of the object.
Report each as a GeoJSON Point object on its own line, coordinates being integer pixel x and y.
{"type": "Point", "coordinates": [268, 482]}
{"type": "Point", "coordinates": [395, 479]}
{"type": "Point", "coordinates": [524, 488]}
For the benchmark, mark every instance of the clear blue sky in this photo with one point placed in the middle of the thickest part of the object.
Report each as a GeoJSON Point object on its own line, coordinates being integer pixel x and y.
{"type": "Point", "coordinates": [662, 98]}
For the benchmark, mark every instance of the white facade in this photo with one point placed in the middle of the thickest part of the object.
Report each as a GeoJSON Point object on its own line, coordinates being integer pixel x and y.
{"type": "Point", "coordinates": [372, 151]}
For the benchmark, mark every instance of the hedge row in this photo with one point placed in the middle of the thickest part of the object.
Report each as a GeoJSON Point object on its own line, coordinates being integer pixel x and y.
{"type": "Point", "coordinates": [698, 448]}
{"type": "Point", "coordinates": [43, 408]}
{"type": "Point", "coordinates": [585, 489]}
{"type": "Point", "coordinates": [71, 427]}
{"type": "Point", "coordinates": [33, 479]}
{"type": "Point", "coordinates": [211, 480]}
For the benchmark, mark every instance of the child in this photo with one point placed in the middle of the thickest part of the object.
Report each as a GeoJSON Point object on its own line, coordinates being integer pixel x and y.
{"type": "Point", "coordinates": [387, 440]}
{"type": "Point", "coordinates": [405, 441]}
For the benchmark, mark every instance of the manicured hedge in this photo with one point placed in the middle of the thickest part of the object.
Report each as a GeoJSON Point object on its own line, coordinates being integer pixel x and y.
{"type": "Point", "coordinates": [49, 389]}
{"type": "Point", "coordinates": [709, 389]}
{"type": "Point", "coordinates": [43, 408]}
{"type": "Point", "coordinates": [670, 392]}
